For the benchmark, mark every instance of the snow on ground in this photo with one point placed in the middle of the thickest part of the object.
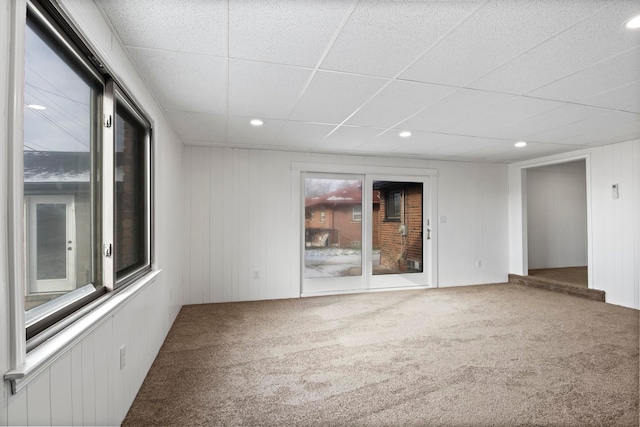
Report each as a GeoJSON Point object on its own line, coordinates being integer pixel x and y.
{"type": "Point", "coordinates": [334, 262]}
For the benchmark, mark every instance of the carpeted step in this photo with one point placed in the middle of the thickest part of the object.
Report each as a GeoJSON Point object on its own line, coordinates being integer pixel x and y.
{"type": "Point", "coordinates": [557, 286]}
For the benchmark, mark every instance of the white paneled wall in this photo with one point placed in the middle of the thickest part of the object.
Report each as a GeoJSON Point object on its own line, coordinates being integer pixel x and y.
{"type": "Point", "coordinates": [85, 386]}
{"type": "Point", "coordinates": [239, 208]}
{"type": "Point", "coordinates": [614, 232]}
{"type": "Point", "coordinates": [557, 215]}
{"type": "Point", "coordinates": [616, 222]}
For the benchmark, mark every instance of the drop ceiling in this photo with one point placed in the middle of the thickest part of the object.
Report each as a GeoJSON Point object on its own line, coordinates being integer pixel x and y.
{"type": "Point", "coordinates": [467, 78]}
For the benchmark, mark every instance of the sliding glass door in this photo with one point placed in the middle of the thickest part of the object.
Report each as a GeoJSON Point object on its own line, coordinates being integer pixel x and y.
{"type": "Point", "coordinates": [364, 232]}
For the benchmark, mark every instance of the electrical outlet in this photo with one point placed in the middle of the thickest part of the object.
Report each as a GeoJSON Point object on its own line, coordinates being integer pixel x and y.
{"type": "Point", "coordinates": [256, 274]}
{"type": "Point", "coordinates": [123, 356]}
{"type": "Point", "coordinates": [478, 263]}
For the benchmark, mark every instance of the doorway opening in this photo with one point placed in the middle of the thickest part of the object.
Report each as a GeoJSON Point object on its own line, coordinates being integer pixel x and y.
{"type": "Point", "coordinates": [557, 238]}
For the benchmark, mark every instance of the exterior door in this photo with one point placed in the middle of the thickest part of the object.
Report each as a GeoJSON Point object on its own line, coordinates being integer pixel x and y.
{"type": "Point", "coordinates": [51, 243]}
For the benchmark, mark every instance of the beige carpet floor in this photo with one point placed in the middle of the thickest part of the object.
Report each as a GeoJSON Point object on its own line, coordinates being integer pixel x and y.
{"type": "Point", "coordinates": [578, 276]}
{"type": "Point", "coordinates": [492, 355]}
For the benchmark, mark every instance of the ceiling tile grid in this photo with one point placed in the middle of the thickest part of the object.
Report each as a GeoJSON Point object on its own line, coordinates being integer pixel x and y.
{"type": "Point", "coordinates": [522, 25]}
{"type": "Point", "coordinates": [184, 81]}
{"type": "Point", "coordinates": [195, 26]}
{"type": "Point", "coordinates": [467, 78]}
{"type": "Point", "coordinates": [253, 94]}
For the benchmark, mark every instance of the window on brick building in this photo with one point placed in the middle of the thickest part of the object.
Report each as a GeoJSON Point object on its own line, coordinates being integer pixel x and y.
{"type": "Point", "coordinates": [356, 214]}
{"type": "Point", "coordinates": [393, 204]}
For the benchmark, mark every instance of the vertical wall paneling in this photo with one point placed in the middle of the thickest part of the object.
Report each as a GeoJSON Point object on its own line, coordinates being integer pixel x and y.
{"type": "Point", "coordinates": [77, 395]}
{"type": "Point", "coordinates": [636, 214]}
{"type": "Point", "coordinates": [241, 217]}
{"type": "Point", "coordinates": [102, 375]}
{"type": "Point", "coordinates": [87, 367]}
{"type": "Point", "coordinates": [119, 377]}
{"type": "Point", "coordinates": [227, 225]}
{"type": "Point", "coordinates": [61, 390]}
{"type": "Point", "coordinates": [624, 177]}
{"type": "Point", "coordinates": [186, 252]}
{"type": "Point", "coordinates": [17, 409]}
{"type": "Point", "coordinates": [39, 401]}
{"type": "Point", "coordinates": [199, 222]}
{"type": "Point", "coordinates": [296, 226]}
{"type": "Point", "coordinates": [217, 204]}
{"type": "Point", "coordinates": [254, 225]}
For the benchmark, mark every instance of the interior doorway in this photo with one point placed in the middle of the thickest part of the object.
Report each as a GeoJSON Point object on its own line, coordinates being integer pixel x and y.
{"type": "Point", "coordinates": [557, 237]}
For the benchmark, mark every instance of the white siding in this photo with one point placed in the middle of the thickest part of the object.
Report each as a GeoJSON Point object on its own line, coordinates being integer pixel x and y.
{"type": "Point", "coordinates": [248, 214]}
{"type": "Point", "coordinates": [557, 215]}
{"type": "Point", "coordinates": [85, 385]}
{"type": "Point", "coordinates": [614, 223]}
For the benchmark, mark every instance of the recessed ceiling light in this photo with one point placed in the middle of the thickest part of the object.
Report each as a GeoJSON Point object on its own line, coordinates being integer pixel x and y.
{"type": "Point", "coordinates": [36, 107]}
{"type": "Point", "coordinates": [520, 144]}
{"type": "Point", "coordinates": [633, 23]}
{"type": "Point", "coordinates": [256, 122]}
{"type": "Point", "coordinates": [405, 134]}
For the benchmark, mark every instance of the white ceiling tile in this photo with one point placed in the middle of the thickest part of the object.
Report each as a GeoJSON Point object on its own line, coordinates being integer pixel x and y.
{"type": "Point", "coordinates": [593, 40]}
{"type": "Point", "coordinates": [136, 22]}
{"type": "Point", "coordinates": [332, 97]}
{"type": "Point", "coordinates": [468, 145]}
{"type": "Point", "coordinates": [585, 131]}
{"type": "Point", "coordinates": [348, 137]}
{"type": "Point", "coordinates": [550, 120]}
{"type": "Point", "coordinates": [301, 134]}
{"type": "Point", "coordinates": [424, 142]}
{"type": "Point", "coordinates": [398, 101]}
{"type": "Point", "coordinates": [605, 76]}
{"type": "Point", "coordinates": [454, 108]}
{"type": "Point", "coordinates": [531, 151]}
{"type": "Point", "coordinates": [512, 111]}
{"type": "Point", "coordinates": [625, 98]}
{"type": "Point", "coordinates": [184, 81]}
{"type": "Point", "coordinates": [283, 31]}
{"type": "Point", "coordinates": [497, 32]}
{"type": "Point", "coordinates": [252, 91]}
{"type": "Point", "coordinates": [198, 126]}
{"type": "Point", "coordinates": [602, 135]}
{"type": "Point", "coordinates": [242, 133]}
{"type": "Point", "coordinates": [383, 37]}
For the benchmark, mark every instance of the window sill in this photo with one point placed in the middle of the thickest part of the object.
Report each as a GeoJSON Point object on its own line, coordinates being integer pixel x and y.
{"type": "Point", "coordinates": [40, 358]}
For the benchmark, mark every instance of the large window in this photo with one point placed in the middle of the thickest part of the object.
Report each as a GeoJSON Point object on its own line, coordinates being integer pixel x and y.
{"type": "Point", "coordinates": [86, 153]}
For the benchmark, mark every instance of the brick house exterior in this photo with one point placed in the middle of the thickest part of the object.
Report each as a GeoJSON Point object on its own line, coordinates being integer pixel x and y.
{"type": "Point", "coordinates": [335, 219]}
{"type": "Point", "coordinates": [398, 250]}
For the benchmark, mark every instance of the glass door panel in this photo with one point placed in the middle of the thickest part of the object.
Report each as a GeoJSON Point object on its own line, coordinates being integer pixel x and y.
{"type": "Point", "coordinates": [333, 237]}
{"type": "Point", "coordinates": [397, 233]}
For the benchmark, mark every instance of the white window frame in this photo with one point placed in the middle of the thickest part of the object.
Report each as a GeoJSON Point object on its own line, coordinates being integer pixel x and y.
{"type": "Point", "coordinates": [26, 365]}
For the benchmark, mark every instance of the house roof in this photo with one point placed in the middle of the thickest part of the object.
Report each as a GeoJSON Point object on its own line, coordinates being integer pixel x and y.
{"type": "Point", "coordinates": [349, 195]}
{"type": "Point", "coordinates": [56, 166]}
